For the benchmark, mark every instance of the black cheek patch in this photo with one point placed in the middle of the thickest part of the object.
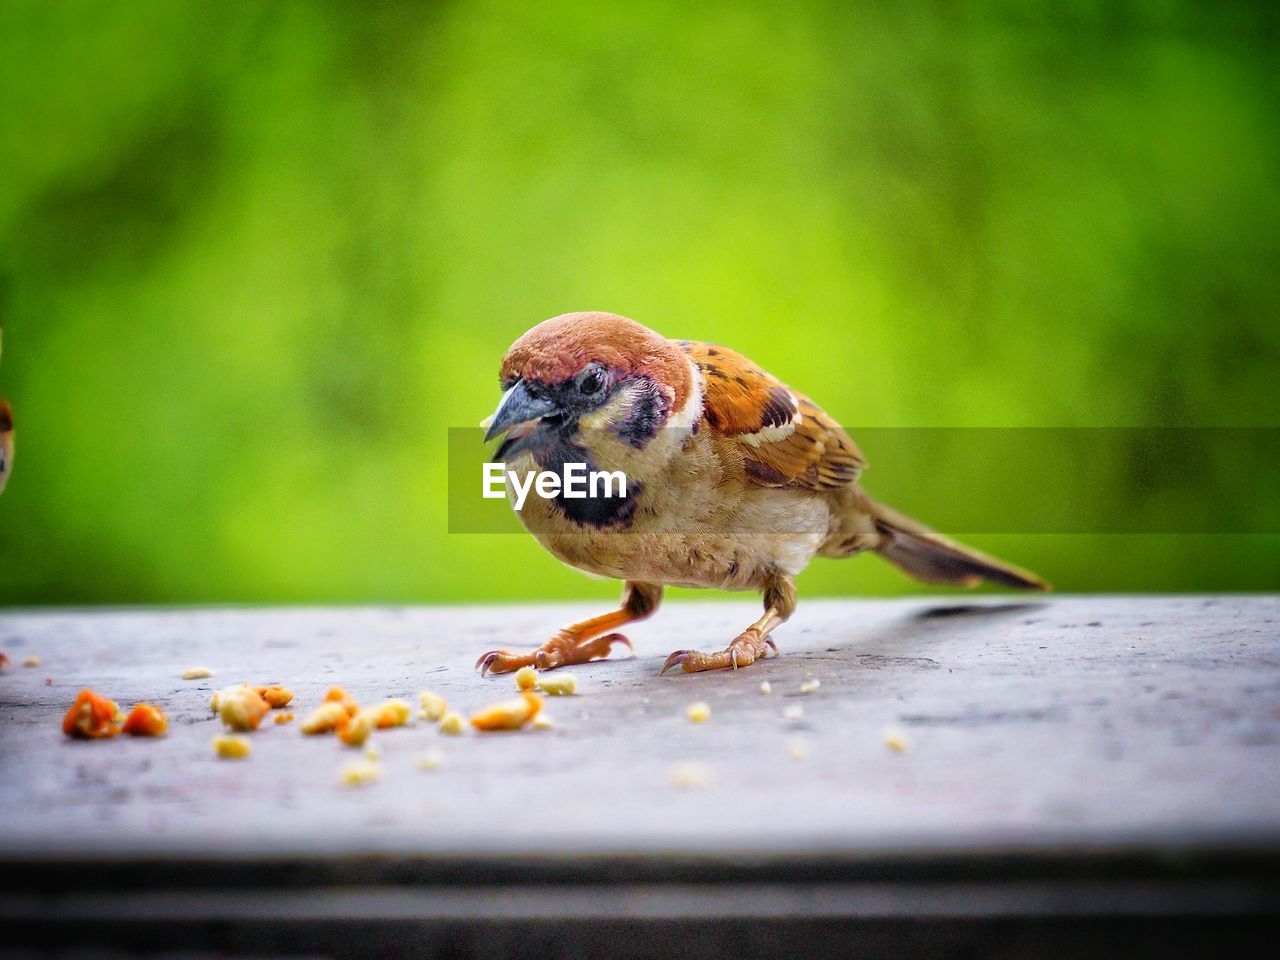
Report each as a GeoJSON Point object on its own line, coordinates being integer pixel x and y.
{"type": "Point", "coordinates": [646, 417]}
{"type": "Point", "coordinates": [599, 512]}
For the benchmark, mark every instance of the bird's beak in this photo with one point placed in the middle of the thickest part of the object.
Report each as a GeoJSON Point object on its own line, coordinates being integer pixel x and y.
{"type": "Point", "coordinates": [518, 408]}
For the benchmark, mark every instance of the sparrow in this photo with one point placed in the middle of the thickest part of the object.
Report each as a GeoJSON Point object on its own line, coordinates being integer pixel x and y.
{"type": "Point", "coordinates": [734, 481]}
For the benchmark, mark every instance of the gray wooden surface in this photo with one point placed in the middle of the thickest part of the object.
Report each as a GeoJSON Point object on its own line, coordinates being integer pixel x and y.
{"type": "Point", "coordinates": [1089, 720]}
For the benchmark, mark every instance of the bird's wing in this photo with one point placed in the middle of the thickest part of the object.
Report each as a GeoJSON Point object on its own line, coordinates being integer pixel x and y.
{"type": "Point", "coordinates": [785, 439]}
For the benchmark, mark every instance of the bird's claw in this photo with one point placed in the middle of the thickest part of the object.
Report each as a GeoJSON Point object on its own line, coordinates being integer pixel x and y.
{"type": "Point", "coordinates": [677, 657]}
{"type": "Point", "coordinates": [487, 660]}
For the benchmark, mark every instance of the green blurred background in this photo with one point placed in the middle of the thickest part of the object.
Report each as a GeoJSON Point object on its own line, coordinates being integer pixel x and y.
{"type": "Point", "coordinates": [257, 257]}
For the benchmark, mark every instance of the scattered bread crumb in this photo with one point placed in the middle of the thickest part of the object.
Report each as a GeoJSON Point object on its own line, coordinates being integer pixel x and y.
{"type": "Point", "coordinates": [562, 685]}
{"type": "Point", "coordinates": [699, 712]}
{"type": "Point", "coordinates": [196, 673]}
{"type": "Point", "coordinates": [797, 750]}
{"type": "Point", "coordinates": [430, 760]}
{"type": "Point", "coordinates": [240, 708]}
{"type": "Point", "coordinates": [451, 723]}
{"type": "Point", "coordinates": [689, 775]}
{"type": "Point", "coordinates": [526, 678]}
{"type": "Point", "coordinates": [285, 717]}
{"type": "Point", "coordinates": [433, 706]}
{"type": "Point", "coordinates": [355, 731]}
{"type": "Point", "coordinates": [326, 718]}
{"type": "Point", "coordinates": [338, 695]}
{"type": "Point", "coordinates": [92, 717]}
{"type": "Point", "coordinates": [542, 722]}
{"type": "Point", "coordinates": [275, 695]}
{"type": "Point", "coordinates": [810, 685]}
{"type": "Point", "coordinates": [766, 686]}
{"type": "Point", "coordinates": [393, 713]}
{"type": "Point", "coordinates": [31, 661]}
{"type": "Point", "coordinates": [509, 714]}
{"type": "Point", "coordinates": [793, 712]}
{"type": "Point", "coordinates": [146, 720]}
{"type": "Point", "coordinates": [231, 747]}
{"type": "Point", "coordinates": [371, 751]}
{"type": "Point", "coordinates": [896, 741]}
{"type": "Point", "coordinates": [360, 773]}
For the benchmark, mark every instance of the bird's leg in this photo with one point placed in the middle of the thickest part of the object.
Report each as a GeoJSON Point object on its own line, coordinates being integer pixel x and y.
{"type": "Point", "coordinates": [580, 642]}
{"type": "Point", "coordinates": [751, 644]}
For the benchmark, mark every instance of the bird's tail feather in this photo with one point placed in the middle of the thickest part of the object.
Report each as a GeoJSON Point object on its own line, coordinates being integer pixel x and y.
{"type": "Point", "coordinates": [933, 558]}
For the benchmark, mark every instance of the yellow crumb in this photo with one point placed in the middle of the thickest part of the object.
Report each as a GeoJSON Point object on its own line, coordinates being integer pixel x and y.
{"type": "Point", "coordinates": [240, 708]}
{"type": "Point", "coordinates": [433, 706]}
{"type": "Point", "coordinates": [360, 773]}
{"type": "Point", "coordinates": [326, 718]}
{"type": "Point", "coordinates": [793, 712]}
{"type": "Point", "coordinates": [31, 661]}
{"type": "Point", "coordinates": [357, 729]}
{"type": "Point", "coordinates": [430, 760]}
{"type": "Point", "coordinates": [451, 723]}
{"type": "Point", "coordinates": [689, 775]}
{"type": "Point", "coordinates": [766, 686]}
{"type": "Point", "coordinates": [371, 751]}
{"type": "Point", "coordinates": [393, 713]}
{"type": "Point", "coordinates": [285, 717]}
{"type": "Point", "coordinates": [231, 748]}
{"type": "Point", "coordinates": [196, 673]}
{"type": "Point", "coordinates": [797, 750]}
{"type": "Point", "coordinates": [509, 714]}
{"type": "Point", "coordinates": [896, 741]}
{"type": "Point", "coordinates": [562, 685]}
{"type": "Point", "coordinates": [699, 712]}
{"type": "Point", "coordinates": [542, 722]}
{"type": "Point", "coordinates": [526, 678]}
{"type": "Point", "coordinates": [810, 685]}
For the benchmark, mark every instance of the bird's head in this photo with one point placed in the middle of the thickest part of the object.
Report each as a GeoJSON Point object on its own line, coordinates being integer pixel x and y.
{"type": "Point", "coordinates": [582, 377]}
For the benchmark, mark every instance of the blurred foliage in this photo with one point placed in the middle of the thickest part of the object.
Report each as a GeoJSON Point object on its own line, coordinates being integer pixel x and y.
{"type": "Point", "coordinates": [257, 257]}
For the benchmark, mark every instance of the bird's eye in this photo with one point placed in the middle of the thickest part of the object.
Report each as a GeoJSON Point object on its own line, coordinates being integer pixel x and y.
{"type": "Point", "coordinates": [590, 380]}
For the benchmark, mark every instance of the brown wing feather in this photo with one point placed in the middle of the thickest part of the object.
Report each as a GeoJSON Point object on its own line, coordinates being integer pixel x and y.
{"type": "Point", "coordinates": [785, 439]}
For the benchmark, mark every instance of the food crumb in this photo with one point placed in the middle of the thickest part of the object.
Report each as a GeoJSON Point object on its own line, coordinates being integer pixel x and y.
{"type": "Point", "coordinates": [240, 708]}
{"type": "Point", "coordinates": [699, 712]}
{"type": "Point", "coordinates": [360, 773]}
{"type": "Point", "coordinates": [146, 720]}
{"type": "Point", "coordinates": [689, 775]}
{"type": "Point", "coordinates": [797, 750]}
{"type": "Point", "coordinates": [542, 722]}
{"type": "Point", "coordinates": [433, 706]}
{"type": "Point", "coordinates": [31, 661]}
{"type": "Point", "coordinates": [275, 695]}
{"type": "Point", "coordinates": [810, 685]}
{"type": "Point", "coordinates": [92, 717]}
{"type": "Point", "coordinates": [526, 678]}
{"type": "Point", "coordinates": [326, 718]}
{"type": "Point", "coordinates": [430, 760]}
{"type": "Point", "coordinates": [371, 751]}
{"type": "Point", "coordinates": [285, 717]}
{"type": "Point", "coordinates": [231, 747]}
{"type": "Point", "coordinates": [338, 695]}
{"type": "Point", "coordinates": [564, 685]}
{"type": "Point", "coordinates": [766, 686]}
{"type": "Point", "coordinates": [451, 723]}
{"type": "Point", "coordinates": [509, 714]}
{"type": "Point", "coordinates": [793, 712]}
{"type": "Point", "coordinates": [196, 673]}
{"type": "Point", "coordinates": [896, 741]}
{"type": "Point", "coordinates": [355, 731]}
{"type": "Point", "coordinates": [393, 713]}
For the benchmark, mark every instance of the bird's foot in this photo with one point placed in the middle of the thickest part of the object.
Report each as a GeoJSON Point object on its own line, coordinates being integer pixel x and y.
{"type": "Point", "coordinates": [562, 649]}
{"type": "Point", "coordinates": [749, 647]}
